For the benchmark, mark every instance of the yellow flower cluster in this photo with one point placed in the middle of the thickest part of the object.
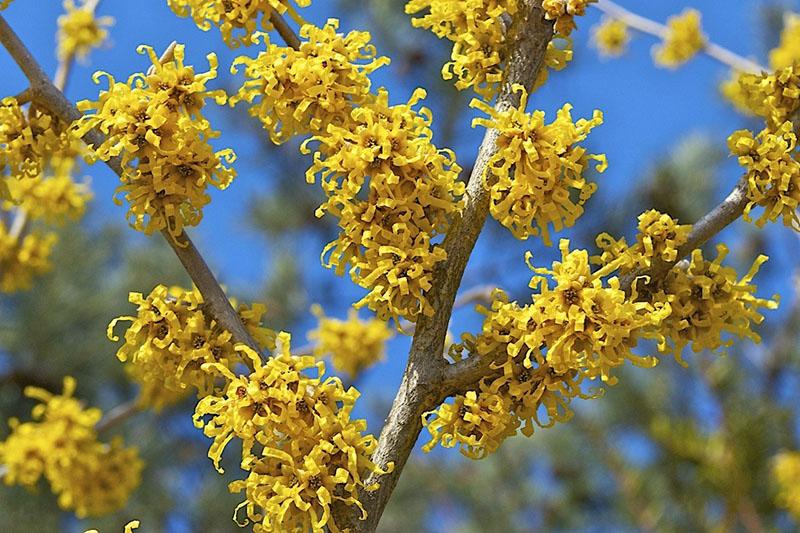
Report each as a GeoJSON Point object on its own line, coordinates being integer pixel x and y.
{"type": "Point", "coordinates": [786, 473]}
{"type": "Point", "coordinates": [581, 325]}
{"type": "Point", "coordinates": [477, 30]}
{"type": "Point", "coordinates": [22, 257]}
{"type": "Point", "coordinates": [233, 15]}
{"type": "Point", "coordinates": [89, 477]}
{"type": "Point", "coordinates": [170, 339]}
{"type": "Point", "coordinates": [659, 237]}
{"type": "Point", "coordinates": [582, 328]}
{"type": "Point", "coordinates": [301, 449]}
{"type": "Point", "coordinates": [4, 4]}
{"type": "Point", "coordinates": [773, 173]}
{"type": "Point", "coordinates": [37, 160]}
{"type": "Point", "coordinates": [536, 168]}
{"type": "Point", "coordinates": [53, 199]}
{"type": "Point", "coordinates": [683, 39]}
{"type": "Point", "coordinates": [394, 192]}
{"type": "Point", "coordinates": [154, 122]}
{"type": "Point", "coordinates": [79, 31]}
{"type": "Point", "coordinates": [28, 140]}
{"type": "Point", "coordinates": [611, 37]}
{"type": "Point", "coordinates": [353, 345]}
{"type": "Point", "coordinates": [298, 92]}
{"type": "Point", "coordinates": [708, 300]}
{"type": "Point", "coordinates": [563, 12]}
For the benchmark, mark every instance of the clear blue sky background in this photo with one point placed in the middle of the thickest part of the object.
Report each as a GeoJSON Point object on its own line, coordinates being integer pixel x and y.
{"type": "Point", "coordinates": [647, 111]}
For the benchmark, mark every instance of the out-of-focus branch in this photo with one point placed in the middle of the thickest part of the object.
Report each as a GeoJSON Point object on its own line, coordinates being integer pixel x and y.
{"type": "Point", "coordinates": [421, 386]}
{"type": "Point", "coordinates": [116, 415]}
{"type": "Point", "coordinates": [49, 96]}
{"type": "Point", "coordinates": [645, 25]}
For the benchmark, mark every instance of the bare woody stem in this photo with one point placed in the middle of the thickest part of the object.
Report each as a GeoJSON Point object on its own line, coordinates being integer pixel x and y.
{"type": "Point", "coordinates": [421, 386]}
{"type": "Point", "coordinates": [645, 25]}
{"type": "Point", "coordinates": [46, 94]}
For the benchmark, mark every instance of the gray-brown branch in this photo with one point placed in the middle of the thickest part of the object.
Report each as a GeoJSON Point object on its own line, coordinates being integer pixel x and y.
{"type": "Point", "coordinates": [421, 388]}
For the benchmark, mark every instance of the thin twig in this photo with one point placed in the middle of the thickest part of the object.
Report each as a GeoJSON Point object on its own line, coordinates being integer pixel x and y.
{"type": "Point", "coordinates": [421, 386]}
{"type": "Point", "coordinates": [645, 25]}
{"type": "Point", "coordinates": [284, 30]}
{"type": "Point", "coordinates": [216, 303]}
{"type": "Point", "coordinates": [116, 415]}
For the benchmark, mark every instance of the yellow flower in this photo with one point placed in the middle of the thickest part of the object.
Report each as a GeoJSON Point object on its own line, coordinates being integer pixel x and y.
{"type": "Point", "coordinates": [28, 140]}
{"type": "Point", "coordinates": [170, 339]}
{"type": "Point", "coordinates": [683, 39]}
{"type": "Point", "coordinates": [22, 258]}
{"type": "Point", "coordinates": [773, 173]}
{"type": "Point", "coordinates": [393, 192]}
{"type": "Point", "coordinates": [295, 92]}
{"type": "Point", "coordinates": [558, 54]}
{"type": "Point", "coordinates": [536, 167]}
{"type": "Point", "coordinates": [786, 474]}
{"type": "Point", "coordinates": [353, 345]}
{"type": "Point", "coordinates": [477, 30]}
{"type": "Point", "coordinates": [89, 478]}
{"type": "Point", "coordinates": [4, 4]}
{"type": "Point", "coordinates": [659, 237]}
{"type": "Point", "coordinates": [563, 12]}
{"type": "Point", "coordinates": [300, 447]}
{"type": "Point", "coordinates": [53, 199]}
{"type": "Point", "coordinates": [611, 37]}
{"type": "Point", "coordinates": [787, 53]}
{"type": "Point", "coordinates": [476, 422]}
{"type": "Point", "coordinates": [79, 31]}
{"type": "Point", "coordinates": [707, 301]}
{"type": "Point", "coordinates": [232, 15]}
{"type": "Point", "coordinates": [154, 122]}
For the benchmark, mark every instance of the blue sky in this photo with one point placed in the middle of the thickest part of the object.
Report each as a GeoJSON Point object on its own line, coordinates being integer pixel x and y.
{"type": "Point", "coordinates": [647, 111]}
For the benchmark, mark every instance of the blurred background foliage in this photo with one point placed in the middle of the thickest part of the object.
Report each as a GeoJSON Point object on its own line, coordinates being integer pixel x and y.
{"type": "Point", "coordinates": [670, 449]}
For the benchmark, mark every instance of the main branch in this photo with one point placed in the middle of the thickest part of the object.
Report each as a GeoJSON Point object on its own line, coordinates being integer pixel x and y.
{"type": "Point", "coordinates": [46, 94]}
{"type": "Point", "coordinates": [421, 386]}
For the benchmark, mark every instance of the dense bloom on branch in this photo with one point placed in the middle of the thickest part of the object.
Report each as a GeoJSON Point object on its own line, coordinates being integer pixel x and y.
{"type": "Point", "coordinates": [537, 167]}
{"type": "Point", "coordinates": [393, 192]}
{"type": "Point", "coordinates": [296, 92]}
{"type": "Point", "coordinates": [28, 140]}
{"type": "Point", "coordinates": [786, 473]}
{"type": "Point", "coordinates": [683, 39]}
{"type": "Point", "coordinates": [658, 238]}
{"type": "Point", "coordinates": [709, 303]}
{"type": "Point", "coordinates": [79, 31]}
{"type": "Point", "coordinates": [89, 477]}
{"type": "Point", "coordinates": [301, 449]}
{"type": "Point", "coordinates": [773, 173]}
{"type": "Point", "coordinates": [232, 15]}
{"type": "Point", "coordinates": [54, 199]}
{"type": "Point", "coordinates": [154, 123]}
{"type": "Point", "coordinates": [170, 339]}
{"type": "Point", "coordinates": [477, 29]}
{"type": "Point", "coordinates": [611, 37]}
{"type": "Point", "coordinates": [477, 422]}
{"type": "Point", "coordinates": [563, 12]}
{"type": "Point", "coordinates": [352, 345]}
